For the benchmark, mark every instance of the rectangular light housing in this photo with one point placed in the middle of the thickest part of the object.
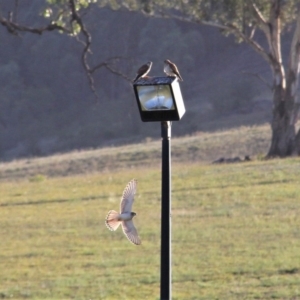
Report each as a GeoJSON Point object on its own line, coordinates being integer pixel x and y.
{"type": "Point", "coordinates": [159, 99]}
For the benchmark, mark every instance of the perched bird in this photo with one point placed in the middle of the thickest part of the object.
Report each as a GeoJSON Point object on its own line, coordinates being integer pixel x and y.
{"type": "Point", "coordinates": [114, 219]}
{"type": "Point", "coordinates": [143, 71]}
{"type": "Point", "coordinates": [171, 70]}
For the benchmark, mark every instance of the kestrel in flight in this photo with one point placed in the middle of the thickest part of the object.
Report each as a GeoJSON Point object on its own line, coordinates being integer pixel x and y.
{"type": "Point", "coordinates": [171, 70]}
{"type": "Point", "coordinates": [114, 219]}
{"type": "Point", "coordinates": [143, 71]}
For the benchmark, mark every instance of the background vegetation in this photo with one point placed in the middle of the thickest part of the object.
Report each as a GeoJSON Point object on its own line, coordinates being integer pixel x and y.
{"type": "Point", "coordinates": [46, 104]}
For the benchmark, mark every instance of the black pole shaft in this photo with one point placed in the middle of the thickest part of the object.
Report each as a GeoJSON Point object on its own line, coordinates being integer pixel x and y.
{"type": "Point", "coordinates": [165, 258]}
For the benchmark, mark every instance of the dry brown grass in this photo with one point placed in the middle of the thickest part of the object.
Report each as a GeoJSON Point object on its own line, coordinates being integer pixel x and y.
{"type": "Point", "coordinates": [202, 146]}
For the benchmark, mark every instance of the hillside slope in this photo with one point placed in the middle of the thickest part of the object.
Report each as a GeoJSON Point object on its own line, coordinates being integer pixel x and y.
{"type": "Point", "coordinates": [200, 148]}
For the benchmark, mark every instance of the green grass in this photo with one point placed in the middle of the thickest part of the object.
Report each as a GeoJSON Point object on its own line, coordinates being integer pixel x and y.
{"type": "Point", "coordinates": [236, 234]}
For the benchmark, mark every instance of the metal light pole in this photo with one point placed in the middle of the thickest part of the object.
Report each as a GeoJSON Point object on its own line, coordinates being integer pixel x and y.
{"type": "Point", "coordinates": [165, 257]}
{"type": "Point", "coordinates": [160, 99]}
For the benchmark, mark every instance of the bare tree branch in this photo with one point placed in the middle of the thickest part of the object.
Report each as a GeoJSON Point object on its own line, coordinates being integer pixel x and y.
{"type": "Point", "coordinates": [228, 27]}
{"type": "Point", "coordinates": [168, 15]}
{"type": "Point", "coordinates": [13, 27]}
{"type": "Point", "coordinates": [251, 35]}
{"type": "Point", "coordinates": [234, 30]}
{"type": "Point", "coordinates": [87, 42]}
{"type": "Point", "coordinates": [255, 45]}
{"type": "Point", "coordinates": [259, 16]}
{"type": "Point", "coordinates": [75, 17]}
{"type": "Point", "coordinates": [260, 78]}
{"type": "Point", "coordinates": [108, 64]}
{"type": "Point", "coordinates": [263, 24]}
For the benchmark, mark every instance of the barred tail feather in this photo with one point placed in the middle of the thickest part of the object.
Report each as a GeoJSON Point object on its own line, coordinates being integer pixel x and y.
{"type": "Point", "coordinates": [112, 220]}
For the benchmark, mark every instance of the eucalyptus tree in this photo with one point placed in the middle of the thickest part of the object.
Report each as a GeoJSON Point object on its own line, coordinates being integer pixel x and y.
{"type": "Point", "coordinates": [245, 19]}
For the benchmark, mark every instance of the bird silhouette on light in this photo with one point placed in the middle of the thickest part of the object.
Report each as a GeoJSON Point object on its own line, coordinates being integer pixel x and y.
{"type": "Point", "coordinates": [143, 71]}
{"type": "Point", "coordinates": [171, 70]}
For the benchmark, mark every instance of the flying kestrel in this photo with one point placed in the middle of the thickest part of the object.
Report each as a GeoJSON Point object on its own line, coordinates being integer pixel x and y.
{"type": "Point", "coordinates": [114, 219]}
{"type": "Point", "coordinates": [143, 71]}
{"type": "Point", "coordinates": [171, 70]}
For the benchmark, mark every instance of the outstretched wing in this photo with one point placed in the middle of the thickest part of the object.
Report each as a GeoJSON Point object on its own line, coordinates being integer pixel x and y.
{"type": "Point", "coordinates": [131, 232]}
{"type": "Point", "coordinates": [128, 196]}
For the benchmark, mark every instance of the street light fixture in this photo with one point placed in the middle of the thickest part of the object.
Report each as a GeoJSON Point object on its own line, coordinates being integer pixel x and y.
{"type": "Point", "coordinates": [160, 99]}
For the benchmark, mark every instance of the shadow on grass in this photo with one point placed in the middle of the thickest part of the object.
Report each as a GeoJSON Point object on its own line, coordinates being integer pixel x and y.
{"type": "Point", "coordinates": [201, 188]}
{"type": "Point", "coordinates": [39, 202]}
{"type": "Point", "coordinates": [289, 271]}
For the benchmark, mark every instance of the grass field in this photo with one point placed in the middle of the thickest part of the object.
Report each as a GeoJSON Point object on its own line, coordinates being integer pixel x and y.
{"type": "Point", "coordinates": [236, 232]}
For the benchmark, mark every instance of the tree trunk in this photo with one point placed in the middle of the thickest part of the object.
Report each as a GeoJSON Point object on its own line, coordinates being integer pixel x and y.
{"type": "Point", "coordinates": [283, 125]}
{"type": "Point", "coordinates": [297, 143]}
{"type": "Point", "coordinates": [284, 140]}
